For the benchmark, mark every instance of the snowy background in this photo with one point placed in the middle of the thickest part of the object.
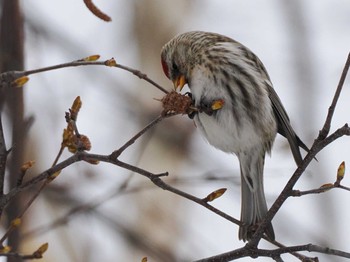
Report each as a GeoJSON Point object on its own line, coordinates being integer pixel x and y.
{"type": "Point", "coordinates": [303, 44]}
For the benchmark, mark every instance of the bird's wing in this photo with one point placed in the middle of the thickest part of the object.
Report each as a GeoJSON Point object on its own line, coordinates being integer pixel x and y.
{"type": "Point", "coordinates": [283, 125]}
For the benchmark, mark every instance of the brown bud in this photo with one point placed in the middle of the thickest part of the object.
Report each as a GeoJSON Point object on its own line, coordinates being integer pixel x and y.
{"type": "Point", "coordinates": [176, 103]}
{"type": "Point", "coordinates": [214, 195]}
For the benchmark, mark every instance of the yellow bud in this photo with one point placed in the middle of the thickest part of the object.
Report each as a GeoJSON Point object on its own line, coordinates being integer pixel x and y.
{"type": "Point", "coordinates": [144, 259]}
{"type": "Point", "coordinates": [5, 249]}
{"type": "Point", "coordinates": [111, 62]}
{"type": "Point", "coordinates": [19, 82]}
{"type": "Point", "coordinates": [84, 143]}
{"type": "Point", "coordinates": [54, 175]}
{"type": "Point", "coordinates": [41, 250]}
{"type": "Point", "coordinates": [340, 172]}
{"type": "Point", "coordinates": [214, 195]}
{"type": "Point", "coordinates": [327, 186]}
{"type": "Point", "coordinates": [76, 106]}
{"type": "Point", "coordinates": [16, 222]}
{"type": "Point", "coordinates": [92, 58]}
{"type": "Point", "coordinates": [27, 165]}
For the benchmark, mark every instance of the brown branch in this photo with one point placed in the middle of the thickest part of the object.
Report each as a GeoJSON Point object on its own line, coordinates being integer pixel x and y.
{"type": "Point", "coordinates": [287, 191]}
{"type": "Point", "coordinates": [296, 254]}
{"type": "Point", "coordinates": [254, 253]}
{"type": "Point", "coordinates": [251, 247]}
{"type": "Point", "coordinates": [96, 11]}
{"type": "Point", "coordinates": [322, 189]}
{"type": "Point", "coordinates": [118, 152]}
{"type": "Point", "coordinates": [17, 255]}
{"type": "Point", "coordinates": [156, 179]}
{"type": "Point", "coordinates": [318, 145]}
{"type": "Point", "coordinates": [327, 125]}
{"type": "Point", "coordinates": [160, 183]}
{"type": "Point", "coordinates": [143, 76]}
{"type": "Point", "coordinates": [112, 158]}
{"type": "Point", "coordinates": [7, 78]}
{"type": "Point", "coordinates": [3, 158]}
{"type": "Point", "coordinates": [37, 254]}
{"type": "Point", "coordinates": [110, 63]}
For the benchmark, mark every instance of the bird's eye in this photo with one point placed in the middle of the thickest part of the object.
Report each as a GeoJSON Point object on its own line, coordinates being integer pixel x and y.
{"type": "Point", "coordinates": [175, 68]}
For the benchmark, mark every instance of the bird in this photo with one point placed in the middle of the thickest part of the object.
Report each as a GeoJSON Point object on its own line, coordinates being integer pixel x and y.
{"type": "Point", "coordinates": [249, 116]}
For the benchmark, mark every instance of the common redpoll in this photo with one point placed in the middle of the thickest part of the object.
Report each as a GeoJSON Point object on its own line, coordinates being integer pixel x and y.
{"type": "Point", "coordinates": [218, 68]}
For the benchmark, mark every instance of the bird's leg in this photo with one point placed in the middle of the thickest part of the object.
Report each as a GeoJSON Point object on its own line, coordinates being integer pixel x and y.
{"type": "Point", "coordinates": [192, 113]}
{"type": "Point", "coordinates": [205, 107]}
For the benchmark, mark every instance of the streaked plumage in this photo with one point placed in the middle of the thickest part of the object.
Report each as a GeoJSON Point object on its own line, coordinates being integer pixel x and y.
{"type": "Point", "coordinates": [217, 67]}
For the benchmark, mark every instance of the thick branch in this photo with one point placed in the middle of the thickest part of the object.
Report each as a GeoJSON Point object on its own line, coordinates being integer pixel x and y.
{"type": "Point", "coordinates": [247, 251]}
{"type": "Point", "coordinates": [321, 141]}
{"type": "Point", "coordinates": [288, 189]}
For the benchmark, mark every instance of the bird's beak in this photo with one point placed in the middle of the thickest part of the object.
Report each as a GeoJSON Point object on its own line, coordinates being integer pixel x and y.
{"type": "Point", "coordinates": [179, 82]}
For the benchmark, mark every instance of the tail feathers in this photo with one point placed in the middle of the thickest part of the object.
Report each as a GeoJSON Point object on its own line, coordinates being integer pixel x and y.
{"type": "Point", "coordinates": [254, 207]}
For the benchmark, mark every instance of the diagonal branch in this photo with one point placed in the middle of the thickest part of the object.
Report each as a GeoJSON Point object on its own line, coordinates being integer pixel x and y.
{"type": "Point", "coordinates": [7, 78]}
{"type": "Point", "coordinates": [327, 125]}
{"type": "Point", "coordinates": [247, 252]}
{"type": "Point", "coordinates": [321, 141]}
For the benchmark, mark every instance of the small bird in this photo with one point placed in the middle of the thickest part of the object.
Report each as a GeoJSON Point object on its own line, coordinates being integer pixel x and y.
{"type": "Point", "coordinates": [218, 68]}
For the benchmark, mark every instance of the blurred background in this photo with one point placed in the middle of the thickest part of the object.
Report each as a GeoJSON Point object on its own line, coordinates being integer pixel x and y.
{"type": "Point", "coordinates": [105, 213]}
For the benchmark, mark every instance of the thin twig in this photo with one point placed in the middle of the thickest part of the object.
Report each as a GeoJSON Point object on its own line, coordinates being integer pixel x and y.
{"type": "Point", "coordinates": [287, 191]}
{"type": "Point", "coordinates": [143, 76]}
{"type": "Point", "coordinates": [251, 247]}
{"type": "Point", "coordinates": [96, 11]}
{"type": "Point", "coordinates": [322, 189]}
{"type": "Point", "coordinates": [247, 251]}
{"type": "Point", "coordinates": [131, 141]}
{"type": "Point", "coordinates": [3, 158]}
{"type": "Point", "coordinates": [318, 144]}
{"type": "Point", "coordinates": [327, 125]}
{"type": "Point", "coordinates": [136, 72]}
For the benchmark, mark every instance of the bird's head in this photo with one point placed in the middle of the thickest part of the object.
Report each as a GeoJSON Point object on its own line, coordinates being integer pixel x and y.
{"type": "Point", "coordinates": [175, 59]}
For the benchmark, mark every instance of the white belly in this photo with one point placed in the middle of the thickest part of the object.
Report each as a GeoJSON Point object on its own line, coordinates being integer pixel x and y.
{"type": "Point", "coordinates": [222, 133]}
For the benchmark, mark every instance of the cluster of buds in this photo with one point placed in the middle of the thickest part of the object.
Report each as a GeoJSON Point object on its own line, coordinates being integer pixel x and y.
{"type": "Point", "coordinates": [71, 137]}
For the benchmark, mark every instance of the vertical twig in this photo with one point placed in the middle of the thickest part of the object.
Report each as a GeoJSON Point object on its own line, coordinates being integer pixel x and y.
{"type": "Point", "coordinates": [319, 143]}
{"type": "Point", "coordinates": [327, 125]}
{"type": "Point", "coordinates": [3, 158]}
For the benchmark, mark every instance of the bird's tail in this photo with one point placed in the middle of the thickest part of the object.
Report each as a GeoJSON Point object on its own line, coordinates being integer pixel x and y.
{"type": "Point", "coordinates": [253, 207]}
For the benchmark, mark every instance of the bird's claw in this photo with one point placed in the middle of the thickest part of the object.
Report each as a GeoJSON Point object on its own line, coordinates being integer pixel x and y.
{"type": "Point", "coordinates": [204, 107]}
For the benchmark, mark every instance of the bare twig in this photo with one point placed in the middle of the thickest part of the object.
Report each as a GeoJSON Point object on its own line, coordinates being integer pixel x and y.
{"type": "Point", "coordinates": [327, 125]}
{"type": "Point", "coordinates": [112, 158]}
{"type": "Point", "coordinates": [17, 255]}
{"type": "Point", "coordinates": [96, 11]}
{"type": "Point", "coordinates": [82, 62]}
{"type": "Point", "coordinates": [254, 252]}
{"type": "Point", "coordinates": [118, 152]}
{"type": "Point", "coordinates": [322, 189]}
{"type": "Point", "coordinates": [7, 78]}
{"type": "Point", "coordinates": [318, 144]}
{"type": "Point", "coordinates": [3, 158]}
{"type": "Point", "coordinates": [143, 76]}
{"type": "Point", "coordinates": [37, 254]}
{"type": "Point", "coordinates": [250, 249]}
